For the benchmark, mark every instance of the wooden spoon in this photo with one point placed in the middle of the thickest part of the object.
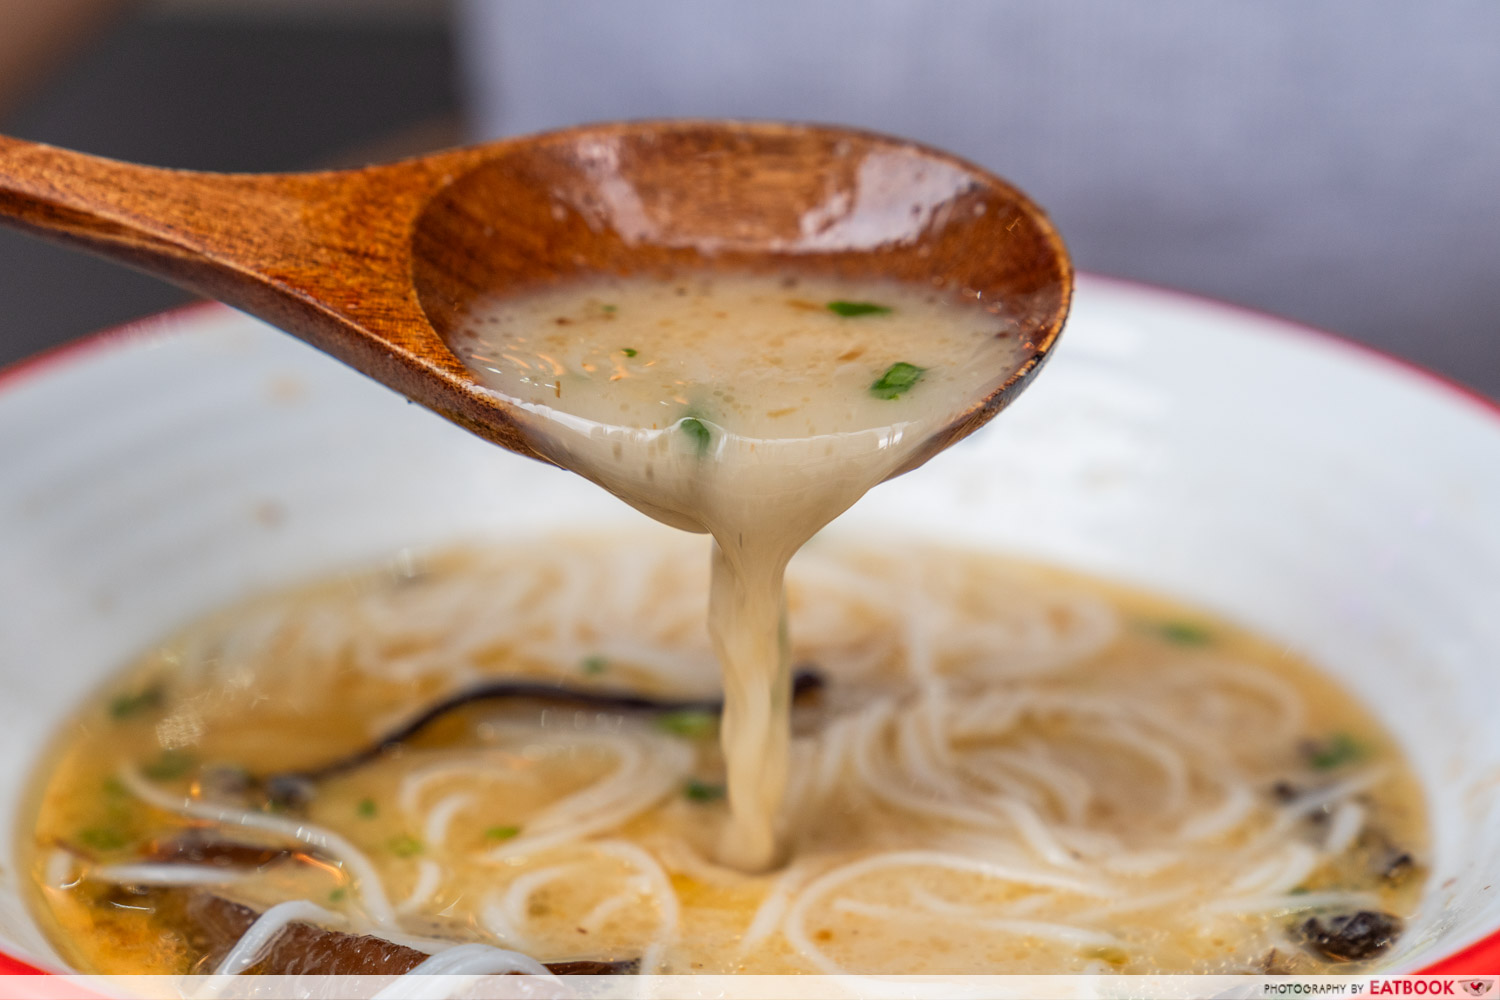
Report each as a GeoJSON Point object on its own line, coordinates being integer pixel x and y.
{"type": "Point", "coordinates": [374, 266]}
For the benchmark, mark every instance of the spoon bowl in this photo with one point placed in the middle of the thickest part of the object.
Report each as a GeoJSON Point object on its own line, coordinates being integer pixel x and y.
{"type": "Point", "coordinates": [376, 266]}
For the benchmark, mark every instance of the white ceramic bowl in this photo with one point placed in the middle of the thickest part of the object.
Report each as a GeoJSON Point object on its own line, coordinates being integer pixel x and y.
{"type": "Point", "coordinates": [1331, 498]}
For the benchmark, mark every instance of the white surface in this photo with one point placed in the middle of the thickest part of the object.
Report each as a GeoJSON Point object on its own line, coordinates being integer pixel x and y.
{"type": "Point", "coordinates": [1325, 497]}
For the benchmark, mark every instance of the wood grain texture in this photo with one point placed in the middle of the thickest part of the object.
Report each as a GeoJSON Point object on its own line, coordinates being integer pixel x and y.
{"type": "Point", "coordinates": [376, 266]}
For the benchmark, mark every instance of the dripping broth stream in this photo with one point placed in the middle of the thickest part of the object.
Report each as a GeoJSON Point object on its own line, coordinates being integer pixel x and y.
{"type": "Point", "coordinates": [753, 407]}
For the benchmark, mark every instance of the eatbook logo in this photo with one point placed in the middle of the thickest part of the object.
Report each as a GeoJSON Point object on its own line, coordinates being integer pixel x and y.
{"type": "Point", "coordinates": [1432, 986]}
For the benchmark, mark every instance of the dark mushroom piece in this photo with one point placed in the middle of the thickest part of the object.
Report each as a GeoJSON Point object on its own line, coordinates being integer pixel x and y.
{"type": "Point", "coordinates": [1388, 860]}
{"type": "Point", "coordinates": [289, 787]}
{"type": "Point", "coordinates": [199, 847]}
{"type": "Point", "coordinates": [1350, 937]}
{"type": "Point", "coordinates": [1285, 792]}
{"type": "Point", "coordinates": [1396, 865]}
{"type": "Point", "coordinates": [213, 924]}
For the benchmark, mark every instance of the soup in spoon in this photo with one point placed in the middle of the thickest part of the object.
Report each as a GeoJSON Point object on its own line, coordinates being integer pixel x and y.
{"type": "Point", "coordinates": [755, 407]}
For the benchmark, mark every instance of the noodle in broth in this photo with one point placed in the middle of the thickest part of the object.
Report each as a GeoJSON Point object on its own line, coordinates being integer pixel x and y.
{"type": "Point", "coordinates": [1008, 769]}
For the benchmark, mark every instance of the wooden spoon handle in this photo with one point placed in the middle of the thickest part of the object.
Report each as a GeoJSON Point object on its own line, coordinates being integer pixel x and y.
{"type": "Point", "coordinates": [324, 256]}
{"type": "Point", "coordinates": [185, 226]}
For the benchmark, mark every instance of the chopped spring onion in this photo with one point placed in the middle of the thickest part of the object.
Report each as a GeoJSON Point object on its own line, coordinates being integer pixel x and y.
{"type": "Point", "coordinates": [898, 378]}
{"type": "Point", "coordinates": [1336, 751]}
{"type": "Point", "coordinates": [697, 432]}
{"type": "Point", "coordinates": [703, 791]}
{"type": "Point", "coordinates": [124, 706]}
{"type": "Point", "coordinates": [103, 838]}
{"type": "Point", "coordinates": [406, 846]}
{"type": "Point", "coordinates": [1185, 633]}
{"type": "Point", "coordinates": [852, 309]}
{"type": "Point", "coordinates": [690, 725]}
{"type": "Point", "coordinates": [171, 764]}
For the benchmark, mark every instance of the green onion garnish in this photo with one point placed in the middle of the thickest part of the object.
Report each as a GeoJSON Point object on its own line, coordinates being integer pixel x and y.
{"type": "Point", "coordinates": [406, 846]}
{"type": "Point", "coordinates": [688, 724]}
{"type": "Point", "coordinates": [501, 832]}
{"type": "Point", "coordinates": [1338, 750]}
{"type": "Point", "coordinates": [593, 664]}
{"type": "Point", "coordinates": [123, 706]}
{"type": "Point", "coordinates": [898, 378]}
{"type": "Point", "coordinates": [1185, 633]}
{"type": "Point", "coordinates": [366, 808]}
{"type": "Point", "coordinates": [697, 432]}
{"type": "Point", "coordinates": [703, 791]}
{"type": "Point", "coordinates": [171, 764]}
{"type": "Point", "coordinates": [858, 308]}
{"type": "Point", "coordinates": [103, 838]}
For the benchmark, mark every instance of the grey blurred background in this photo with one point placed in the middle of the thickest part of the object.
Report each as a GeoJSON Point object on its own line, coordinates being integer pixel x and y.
{"type": "Point", "coordinates": [256, 85]}
{"type": "Point", "coordinates": [1333, 161]}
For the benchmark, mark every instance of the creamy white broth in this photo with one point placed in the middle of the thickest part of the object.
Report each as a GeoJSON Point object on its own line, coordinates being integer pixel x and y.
{"type": "Point", "coordinates": [757, 356]}
{"type": "Point", "coordinates": [756, 408]}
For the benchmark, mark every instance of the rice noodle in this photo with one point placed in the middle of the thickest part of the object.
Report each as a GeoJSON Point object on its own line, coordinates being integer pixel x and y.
{"type": "Point", "coordinates": [479, 960]}
{"type": "Point", "coordinates": [1236, 805]}
{"type": "Point", "coordinates": [513, 904]}
{"type": "Point", "coordinates": [1292, 902]}
{"type": "Point", "coordinates": [367, 881]}
{"type": "Point", "coordinates": [450, 972]}
{"type": "Point", "coordinates": [252, 945]}
{"type": "Point", "coordinates": [494, 917]}
{"type": "Point", "coordinates": [989, 773]}
{"type": "Point", "coordinates": [167, 874]}
{"type": "Point", "coordinates": [795, 924]}
{"type": "Point", "coordinates": [768, 915]}
{"type": "Point", "coordinates": [435, 828]}
{"type": "Point", "coordinates": [416, 781]}
{"type": "Point", "coordinates": [1348, 819]}
{"type": "Point", "coordinates": [1076, 936]}
{"type": "Point", "coordinates": [429, 880]}
{"type": "Point", "coordinates": [649, 769]}
{"type": "Point", "coordinates": [661, 889]}
{"type": "Point", "coordinates": [678, 857]}
{"type": "Point", "coordinates": [1280, 872]}
{"type": "Point", "coordinates": [600, 914]}
{"type": "Point", "coordinates": [61, 870]}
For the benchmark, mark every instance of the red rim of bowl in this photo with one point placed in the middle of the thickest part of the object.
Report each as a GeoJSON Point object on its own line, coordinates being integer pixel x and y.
{"type": "Point", "coordinates": [1482, 957]}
